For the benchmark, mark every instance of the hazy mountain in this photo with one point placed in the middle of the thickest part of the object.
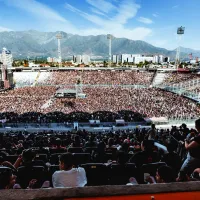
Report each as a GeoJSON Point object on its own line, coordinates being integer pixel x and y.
{"type": "Point", "coordinates": [34, 43]}
{"type": "Point", "coordinates": [195, 53]}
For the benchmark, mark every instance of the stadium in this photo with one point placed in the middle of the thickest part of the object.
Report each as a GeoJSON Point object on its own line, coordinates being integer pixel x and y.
{"type": "Point", "coordinates": [99, 122]}
{"type": "Point", "coordinates": [107, 95]}
{"type": "Point", "coordinates": [115, 117]}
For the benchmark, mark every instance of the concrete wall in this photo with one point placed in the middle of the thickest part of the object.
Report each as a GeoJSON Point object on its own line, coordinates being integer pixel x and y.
{"type": "Point", "coordinates": [103, 191]}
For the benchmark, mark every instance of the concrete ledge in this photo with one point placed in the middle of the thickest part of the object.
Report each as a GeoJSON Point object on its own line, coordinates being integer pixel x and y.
{"type": "Point", "coordinates": [56, 194]}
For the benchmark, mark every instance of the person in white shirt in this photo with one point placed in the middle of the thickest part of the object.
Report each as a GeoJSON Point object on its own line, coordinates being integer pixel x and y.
{"type": "Point", "coordinates": [68, 176]}
{"type": "Point", "coordinates": [152, 132]}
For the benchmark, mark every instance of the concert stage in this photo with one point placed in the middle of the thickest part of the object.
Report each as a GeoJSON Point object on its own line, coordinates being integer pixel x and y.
{"type": "Point", "coordinates": [69, 93]}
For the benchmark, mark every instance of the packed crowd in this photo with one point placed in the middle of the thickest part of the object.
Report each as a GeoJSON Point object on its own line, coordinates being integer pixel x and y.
{"type": "Point", "coordinates": [87, 77]}
{"type": "Point", "coordinates": [148, 102]}
{"type": "Point", "coordinates": [101, 77]}
{"type": "Point", "coordinates": [97, 77]}
{"type": "Point", "coordinates": [124, 157]}
{"type": "Point", "coordinates": [25, 100]}
{"type": "Point", "coordinates": [171, 78]}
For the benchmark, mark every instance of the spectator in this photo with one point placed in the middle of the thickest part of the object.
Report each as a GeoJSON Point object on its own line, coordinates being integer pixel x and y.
{"type": "Point", "coordinates": [68, 176]}
{"type": "Point", "coordinates": [111, 143]}
{"type": "Point", "coordinates": [196, 173]}
{"type": "Point", "coordinates": [152, 132]}
{"type": "Point", "coordinates": [193, 158]}
{"type": "Point", "coordinates": [171, 158]}
{"type": "Point", "coordinates": [164, 174]}
{"type": "Point", "coordinates": [7, 179]}
{"type": "Point", "coordinates": [76, 142]}
{"type": "Point", "coordinates": [27, 160]}
{"type": "Point", "coordinates": [121, 158]}
{"type": "Point", "coordinates": [100, 155]}
{"type": "Point", "coordinates": [147, 155]}
{"type": "Point", "coordinates": [91, 142]}
{"type": "Point", "coordinates": [184, 129]}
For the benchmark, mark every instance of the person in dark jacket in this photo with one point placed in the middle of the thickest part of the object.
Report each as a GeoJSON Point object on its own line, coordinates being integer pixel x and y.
{"type": "Point", "coordinates": [147, 155]}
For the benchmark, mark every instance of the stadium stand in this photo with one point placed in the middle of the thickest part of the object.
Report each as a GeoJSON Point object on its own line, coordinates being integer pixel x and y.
{"type": "Point", "coordinates": [38, 155]}
{"type": "Point", "coordinates": [175, 77]}
{"type": "Point", "coordinates": [96, 77]}
{"type": "Point", "coordinates": [149, 102]}
{"type": "Point", "coordinates": [79, 158]}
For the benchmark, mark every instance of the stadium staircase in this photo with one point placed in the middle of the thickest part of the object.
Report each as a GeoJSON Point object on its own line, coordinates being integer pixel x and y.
{"type": "Point", "coordinates": [36, 79]}
{"type": "Point", "coordinates": [185, 88]}
{"type": "Point", "coordinates": [48, 103]}
{"type": "Point", "coordinates": [154, 75]}
{"type": "Point", "coordinates": [159, 78]}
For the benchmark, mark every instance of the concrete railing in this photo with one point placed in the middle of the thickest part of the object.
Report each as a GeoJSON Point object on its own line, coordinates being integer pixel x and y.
{"type": "Point", "coordinates": [103, 191]}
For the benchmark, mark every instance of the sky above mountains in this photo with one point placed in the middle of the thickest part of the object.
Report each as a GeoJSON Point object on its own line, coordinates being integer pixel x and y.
{"type": "Point", "coordinates": [154, 21]}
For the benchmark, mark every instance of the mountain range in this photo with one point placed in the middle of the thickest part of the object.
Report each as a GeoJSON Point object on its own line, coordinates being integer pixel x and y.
{"type": "Point", "coordinates": [34, 43]}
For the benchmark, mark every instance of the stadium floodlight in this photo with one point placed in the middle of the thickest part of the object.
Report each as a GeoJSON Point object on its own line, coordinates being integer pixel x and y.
{"type": "Point", "coordinates": [110, 37]}
{"type": "Point", "coordinates": [181, 30]}
{"type": "Point", "coordinates": [180, 33]}
{"type": "Point", "coordinates": [59, 37]}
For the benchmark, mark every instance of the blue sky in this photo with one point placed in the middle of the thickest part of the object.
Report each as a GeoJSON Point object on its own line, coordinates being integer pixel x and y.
{"type": "Point", "coordinates": [154, 21]}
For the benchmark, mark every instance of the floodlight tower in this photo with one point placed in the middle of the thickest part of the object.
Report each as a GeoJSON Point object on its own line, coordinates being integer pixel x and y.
{"type": "Point", "coordinates": [110, 37]}
{"type": "Point", "coordinates": [180, 33]}
{"type": "Point", "coordinates": [59, 37]}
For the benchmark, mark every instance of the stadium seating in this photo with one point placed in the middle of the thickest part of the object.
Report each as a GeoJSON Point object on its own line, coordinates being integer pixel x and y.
{"type": "Point", "coordinates": [97, 173]}
{"type": "Point", "coordinates": [150, 168]}
{"type": "Point", "coordinates": [54, 158]}
{"type": "Point", "coordinates": [81, 158]}
{"type": "Point", "coordinates": [42, 157]}
{"type": "Point", "coordinates": [11, 158]}
{"type": "Point", "coordinates": [120, 174]}
{"type": "Point", "coordinates": [4, 169]}
{"type": "Point", "coordinates": [75, 150]}
{"type": "Point", "coordinates": [26, 174]}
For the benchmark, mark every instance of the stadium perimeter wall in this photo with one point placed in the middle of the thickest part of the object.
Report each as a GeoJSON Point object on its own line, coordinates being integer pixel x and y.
{"type": "Point", "coordinates": [172, 191]}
